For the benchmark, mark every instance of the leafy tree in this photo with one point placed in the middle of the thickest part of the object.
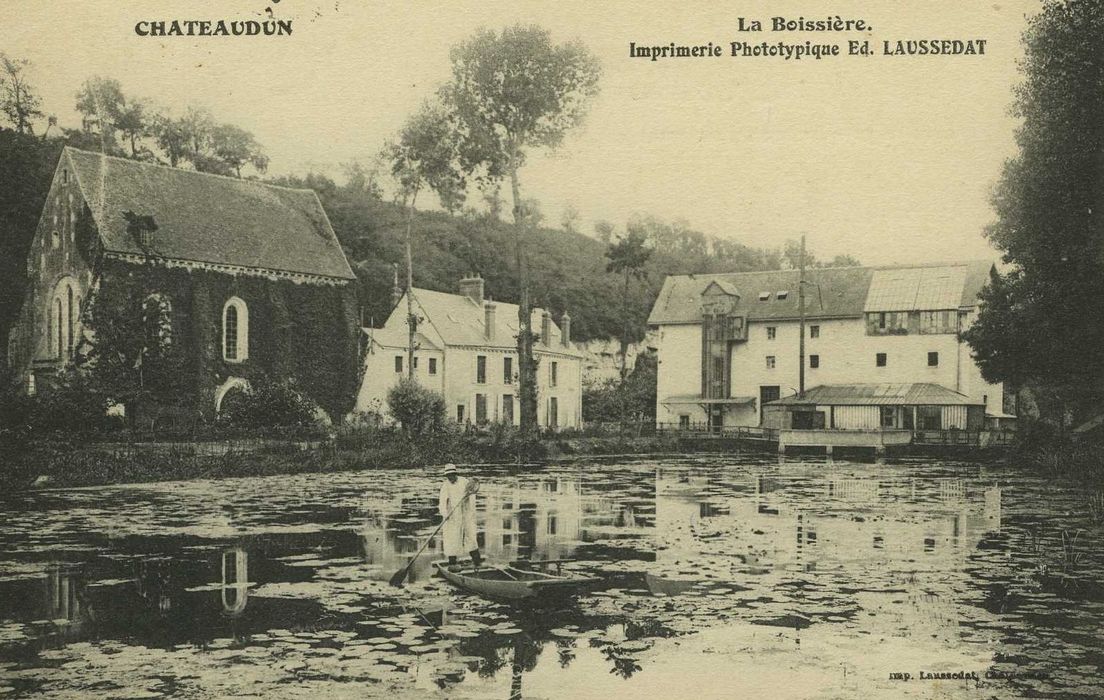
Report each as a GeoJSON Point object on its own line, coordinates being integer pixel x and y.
{"type": "Point", "coordinates": [237, 147]}
{"type": "Point", "coordinates": [101, 101]}
{"type": "Point", "coordinates": [616, 400]}
{"type": "Point", "coordinates": [196, 124]}
{"type": "Point", "coordinates": [18, 100]}
{"type": "Point", "coordinates": [107, 110]}
{"type": "Point", "coordinates": [569, 219]}
{"type": "Point", "coordinates": [1042, 323]}
{"type": "Point", "coordinates": [425, 154]}
{"type": "Point", "coordinates": [172, 137]}
{"type": "Point", "coordinates": [364, 179]}
{"type": "Point", "coordinates": [843, 261]}
{"type": "Point", "coordinates": [534, 215]}
{"type": "Point", "coordinates": [627, 257]}
{"type": "Point", "coordinates": [514, 92]}
{"type": "Point", "coordinates": [419, 410]}
{"type": "Point", "coordinates": [604, 231]}
{"type": "Point", "coordinates": [125, 353]}
{"type": "Point", "coordinates": [792, 255]}
{"type": "Point", "coordinates": [27, 169]}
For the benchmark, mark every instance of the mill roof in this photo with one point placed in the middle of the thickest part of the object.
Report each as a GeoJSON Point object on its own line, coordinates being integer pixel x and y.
{"type": "Point", "coordinates": [205, 218]}
{"type": "Point", "coordinates": [905, 394]}
{"type": "Point", "coordinates": [833, 292]}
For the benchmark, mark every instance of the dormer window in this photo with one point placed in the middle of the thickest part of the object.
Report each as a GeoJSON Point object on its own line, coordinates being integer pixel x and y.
{"type": "Point", "coordinates": [141, 227]}
{"type": "Point", "coordinates": [55, 238]}
{"type": "Point", "coordinates": [65, 175]}
{"type": "Point", "coordinates": [764, 296]}
{"type": "Point", "coordinates": [782, 295]}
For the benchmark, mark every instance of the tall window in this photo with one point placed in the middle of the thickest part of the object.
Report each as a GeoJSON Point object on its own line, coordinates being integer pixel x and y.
{"type": "Point", "coordinates": [814, 331]}
{"type": "Point", "coordinates": [880, 359]}
{"type": "Point", "coordinates": [480, 409]}
{"type": "Point", "coordinates": [433, 365]}
{"type": "Point", "coordinates": [772, 332]}
{"type": "Point", "coordinates": [480, 369]}
{"type": "Point", "coordinates": [62, 319]}
{"type": "Point", "coordinates": [157, 322]}
{"type": "Point", "coordinates": [508, 409]}
{"type": "Point", "coordinates": [553, 374]}
{"type": "Point", "coordinates": [814, 361]}
{"type": "Point", "coordinates": [933, 359]}
{"type": "Point", "coordinates": [69, 321]}
{"type": "Point", "coordinates": [235, 331]}
{"type": "Point", "coordinates": [398, 364]}
{"type": "Point", "coordinates": [770, 362]}
{"type": "Point", "coordinates": [59, 328]}
{"type": "Point", "coordinates": [507, 370]}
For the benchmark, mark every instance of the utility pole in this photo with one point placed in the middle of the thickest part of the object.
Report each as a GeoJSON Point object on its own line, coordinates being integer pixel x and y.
{"type": "Point", "coordinates": [801, 311]}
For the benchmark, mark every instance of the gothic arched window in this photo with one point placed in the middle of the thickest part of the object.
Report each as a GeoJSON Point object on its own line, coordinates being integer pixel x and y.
{"type": "Point", "coordinates": [63, 319]}
{"type": "Point", "coordinates": [235, 331]}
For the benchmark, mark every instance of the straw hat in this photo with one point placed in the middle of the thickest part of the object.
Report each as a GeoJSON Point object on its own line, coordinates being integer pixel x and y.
{"type": "Point", "coordinates": [448, 469]}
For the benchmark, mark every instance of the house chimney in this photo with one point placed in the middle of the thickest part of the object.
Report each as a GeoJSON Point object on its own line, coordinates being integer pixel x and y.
{"type": "Point", "coordinates": [546, 328]}
{"type": "Point", "coordinates": [472, 288]}
{"type": "Point", "coordinates": [489, 320]}
{"type": "Point", "coordinates": [565, 329]}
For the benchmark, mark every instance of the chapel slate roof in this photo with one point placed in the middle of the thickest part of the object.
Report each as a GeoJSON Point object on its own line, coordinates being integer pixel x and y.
{"type": "Point", "coordinates": [904, 394]}
{"type": "Point", "coordinates": [460, 321]}
{"type": "Point", "coordinates": [209, 218]}
{"type": "Point", "coordinates": [832, 292]}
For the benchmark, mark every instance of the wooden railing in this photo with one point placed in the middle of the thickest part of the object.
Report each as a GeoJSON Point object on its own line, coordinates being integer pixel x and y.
{"type": "Point", "coordinates": [963, 437]}
{"type": "Point", "coordinates": [959, 438]}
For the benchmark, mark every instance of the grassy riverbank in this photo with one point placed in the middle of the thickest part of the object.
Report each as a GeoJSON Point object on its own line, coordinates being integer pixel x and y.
{"type": "Point", "coordinates": [61, 462]}
{"type": "Point", "coordinates": [69, 463]}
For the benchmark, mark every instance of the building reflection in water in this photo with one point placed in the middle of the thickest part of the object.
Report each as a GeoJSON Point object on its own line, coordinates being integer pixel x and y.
{"type": "Point", "coordinates": [235, 581]}
{"type": "Point", "coordinates": [897, 532]}
{"type": "Point", "coordinates": [154, 583]}
{"type": "Point", "coordinates": [63, 598]}
{"type": "Point", "coordinates": [527, 519]}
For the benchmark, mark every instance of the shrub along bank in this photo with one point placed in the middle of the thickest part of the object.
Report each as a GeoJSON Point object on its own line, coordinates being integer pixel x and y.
{"type": "Point", "coordinates": [63, 463]}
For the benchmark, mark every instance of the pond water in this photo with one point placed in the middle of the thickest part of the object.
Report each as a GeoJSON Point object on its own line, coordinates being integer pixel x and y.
{"type": "Point", "coordinates": [719, 577]}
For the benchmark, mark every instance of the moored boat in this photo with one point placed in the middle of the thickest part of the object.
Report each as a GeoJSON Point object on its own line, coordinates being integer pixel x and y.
{"type": "Point", "coordinates": [510, 583]}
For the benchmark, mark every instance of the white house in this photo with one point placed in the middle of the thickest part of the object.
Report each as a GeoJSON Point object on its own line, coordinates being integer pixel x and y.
{"type": "Point", "coordinates": [466, 348]}
{"type": "Point", "coordinates": [729, 343]}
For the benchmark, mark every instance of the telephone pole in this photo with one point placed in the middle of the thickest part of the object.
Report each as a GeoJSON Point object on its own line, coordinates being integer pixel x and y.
{"type": "Point", "coordinates": [801, 312]}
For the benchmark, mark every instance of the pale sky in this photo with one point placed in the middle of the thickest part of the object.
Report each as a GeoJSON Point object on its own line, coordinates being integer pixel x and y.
{"type": "Point", "coordinates": [887, 158]}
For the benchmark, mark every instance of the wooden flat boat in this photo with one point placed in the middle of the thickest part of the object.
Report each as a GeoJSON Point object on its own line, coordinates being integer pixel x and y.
{"type": "Point", "coordinates": [513, 584]}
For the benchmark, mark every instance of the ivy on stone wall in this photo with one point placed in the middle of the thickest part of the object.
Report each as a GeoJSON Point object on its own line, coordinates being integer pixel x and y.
{"type": "Point", "coordinates": [305, 333]}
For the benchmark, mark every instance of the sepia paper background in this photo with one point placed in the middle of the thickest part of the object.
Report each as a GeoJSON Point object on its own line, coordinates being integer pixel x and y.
{"type": "Point", "coordinates": [892, 158]}
{"type": "Point", "coordinates": [889, 159]}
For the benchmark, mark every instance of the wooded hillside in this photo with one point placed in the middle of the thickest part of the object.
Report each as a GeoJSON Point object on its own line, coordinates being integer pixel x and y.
{"type": "Point", "coordinates": [568, 268]}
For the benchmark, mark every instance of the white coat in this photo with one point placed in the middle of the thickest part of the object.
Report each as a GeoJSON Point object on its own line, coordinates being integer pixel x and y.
{"type": "Point", "coordinates": [458, 533]}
